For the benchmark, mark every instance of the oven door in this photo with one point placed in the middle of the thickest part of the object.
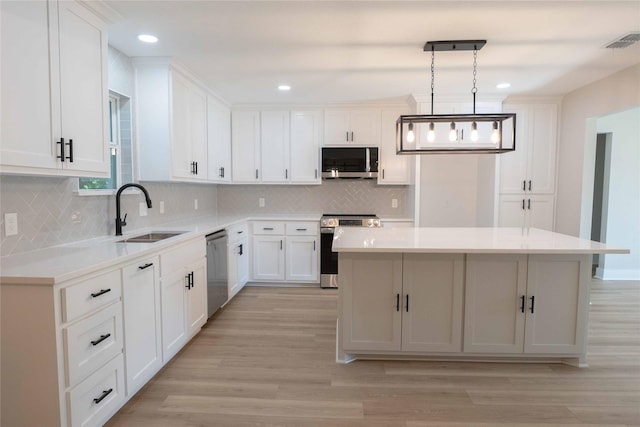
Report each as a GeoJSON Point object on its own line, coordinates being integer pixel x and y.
{"type": "Point", "coordinates": [328, 260]}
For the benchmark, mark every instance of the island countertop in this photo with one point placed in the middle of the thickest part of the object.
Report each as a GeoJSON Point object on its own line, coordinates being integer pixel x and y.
{"type": "Point", "coordinates": [490, 240]}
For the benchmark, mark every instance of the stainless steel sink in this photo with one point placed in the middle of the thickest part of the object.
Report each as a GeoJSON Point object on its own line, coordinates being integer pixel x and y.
{"type": "Point", "coordinates": [151, 237]}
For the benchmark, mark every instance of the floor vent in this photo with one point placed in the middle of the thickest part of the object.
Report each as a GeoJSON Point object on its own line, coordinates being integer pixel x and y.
{"type": "Point", "coordinates": [624, 41]}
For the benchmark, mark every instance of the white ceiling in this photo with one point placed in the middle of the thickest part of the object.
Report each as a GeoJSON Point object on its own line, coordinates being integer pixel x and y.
{"type": "Point", "coordinates": [350, 51]}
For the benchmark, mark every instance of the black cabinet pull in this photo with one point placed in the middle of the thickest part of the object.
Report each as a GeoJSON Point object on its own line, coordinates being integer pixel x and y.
{"type": "Point", "coordinates": [286, 174]}
{"type": "Point", "coordinates": [522, 298]}
{"type": "Point", "coordinates": [522, 204]}
{"type": "Point", "coordinates": [188, 277]}
{"type": "Point", "coordinates": [301, 229]}
{"type": "Point", "coordinates": [314, 245]}
{"type": "Point", "coordinates": [267, 228]}
{"type": "Point", "coordinates": [524, 185]}
{"type": "Point", "coordinates": [70, 144]}
{"type": "Point", "coordinates": [351, 136]}
{"type": "Point", "coordinates": [533, 301]}
{"type": "Point", "coordinates": [104, 394]}
{"type": "Point", "coordinates": [281, 244]}
{"type": "Point", "coordinates": [240, 252]}
{"type": "Point", "coordinates": [256, 173]}
{"type": "Point", "coordinates": [99, 340]}
{"type": "Point", "coordinates": [147, 265]}
{"type": "Point", "coordinates": [407, 303]}
{"type": "Point", "coordinates": [196, 168]}
{"type": "Point", "coordinates": [316, 173]}
{"type": "Point", "coordinates": [61, 143]}
{"type": "Point", "coordinates": [528, 203]}
{"type": "Point", "coordinates": [191, 280]}
{"type": "Point", "coordinates": [102, 292]}
{"type": "Point", "coordinates": [529, 185]}
{"type": "Point", "coordinates": [397, 302]}
{"type": "Point", "coordinates": [347, 136]}
{"type": "Point", "coordinates": [382, 173]}
{"type": "Point", "coordinates": [221, 172]}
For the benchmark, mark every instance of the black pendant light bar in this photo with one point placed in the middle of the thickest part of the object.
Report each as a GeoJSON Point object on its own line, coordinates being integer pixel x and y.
{"type": "Point", "coordinates": [454, 45]}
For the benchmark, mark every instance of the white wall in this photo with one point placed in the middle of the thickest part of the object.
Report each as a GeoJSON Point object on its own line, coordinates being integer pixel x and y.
{"type": "Point", "coordinates": [623, 201]}
{"type": "Point", "coordinates": [578, 129]}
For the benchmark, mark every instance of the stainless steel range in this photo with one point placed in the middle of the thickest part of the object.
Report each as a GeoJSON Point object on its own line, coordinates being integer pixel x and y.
{"type": "Point", "coordinates": [328, 258]}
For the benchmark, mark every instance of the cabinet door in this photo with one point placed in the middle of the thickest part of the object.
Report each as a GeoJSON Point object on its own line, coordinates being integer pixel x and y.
{"type": "Point", "coordinates": [557, 303]}
{"type": "Point", "coordinates": [542, 149]}
{"type": "Point", "coordinates": [513, 165]}
{"type": "Point", "coordinates": [83, 88]}
{"type": "Point", "coordinates": [540, 211]}
{"type": "Point", "coordinates": [433, 287]}
{"type": "Point", "coordinates": [268, 258]}
{"type": "Point", "coordinates": [141, 299]}
{"type": "Point", "coordinates": [302, 258]}
{"type": "Point", "coordinates": [305, 146]}
{"type": "Point", "coordinates": [393, 169]}
{"type": "Point", "coordinates": [197, 297]}
{"type": "Point", "coordinates": [218, 141]}
{"type": "Point", "coordinates": [26, 138]}
{"type": "Point", "coordinates": [494, 312]}
{"type": "Point", "coordinates": [336, 127]}
{"type": "Point", "coordinates": [512, 210]}
{"type": "Point", "coordinates": [245, 147]}
{"type": "Point", "coordinates": [371, 289]}
{"type": "Point", "coordinates": [243, 262]}
{"type": "Point", "coordinates": [174, 330]}
{"type": "Point", "coordinates": [198, 132]}
{"type": "Point", "coordinates": [274, 141]}
{"type": "Point", "coordinates": [233, 256]}
{"type": "Point", "coordinates": [365, 127]}
{"type": "Point", "coordinates": [181, 129]}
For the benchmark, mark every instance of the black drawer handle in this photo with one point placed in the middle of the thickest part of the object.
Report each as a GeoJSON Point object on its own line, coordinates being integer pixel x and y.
{"type": "Point", "coordinates": [147, 265]}
{"type": "Point", "coordinates": [99, 340]}
{"type": "Point", "coordinates": [407, 304]}
{"type": "Point", "coordinates": [104, 394]}
{"type": "Point", "coordinates": [61, 156]}
{"type": "Point", "coordinates": [267, 228]}
{"type": "Point", "coordinates": [70, 156]}
{"type": "Point", "coordinates": [102, 292]}
{"type": "Point", "coordinates": [301, 229]}
{"type": "Point", "coordinates": [522, 304]}
{"type": "Point", "coordinates": [533, 301]}
{"type": "Point", "coordinates": [240, 232]}
{"type": "Point", "coordinates": [397, 302]}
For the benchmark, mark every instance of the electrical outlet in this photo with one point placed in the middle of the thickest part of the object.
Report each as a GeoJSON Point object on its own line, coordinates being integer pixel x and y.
{"type": "Point", "coordinates": [143, 209]}
{"type": "Point", "coordinates": [394, 203]}
{"type": "Point", "coordinates": [261, 202]}
{"type": "Point", "coordinates": [161, 206]}
{"type": "Point", "coordinates": [195, 204]}
{"type": "Point", "coordinates": [10, 224]}
{"type": "Point", "coordinates": [76, 218]}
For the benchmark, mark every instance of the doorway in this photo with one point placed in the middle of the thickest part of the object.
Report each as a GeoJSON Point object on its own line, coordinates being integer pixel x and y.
{"type": "Point", "coordinates": [600, 195]}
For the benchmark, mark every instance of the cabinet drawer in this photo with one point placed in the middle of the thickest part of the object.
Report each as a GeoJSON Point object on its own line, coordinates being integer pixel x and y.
{"type": "Point", "coordinates": [89, 343]}
{"type": "Point", "coordinates": [97, 398]}
{"type": "Point", "coordinates": [268, 227]}
{"type": "Point", "coordinates": [182, 255]}
{"type": "Point", "coordinates": [90, 294]}
{"type": "Point", "coordinates": [238, 231]}
{"type": "Point", "coordinates": [306, 228]}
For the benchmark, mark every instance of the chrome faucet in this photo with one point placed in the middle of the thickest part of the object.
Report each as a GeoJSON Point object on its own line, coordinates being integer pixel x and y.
{"type": "Point", "coordinates": [122, 222]}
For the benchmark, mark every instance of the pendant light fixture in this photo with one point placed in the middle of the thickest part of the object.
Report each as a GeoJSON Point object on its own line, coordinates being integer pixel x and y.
{"type": "Point", "coordinates": [455, 133]}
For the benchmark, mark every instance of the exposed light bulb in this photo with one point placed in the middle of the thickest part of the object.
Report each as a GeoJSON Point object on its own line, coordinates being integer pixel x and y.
{"type": "Point", "coordinates": [453, 135]}
{"type": "Point", "coordinates": [411, 136]}
{"type": "Point", "coordinates": [474, 132]}
{"type": "Point", "coordinates": [431, 135]}
{"type": "Point", "coordinates": [495, 135]}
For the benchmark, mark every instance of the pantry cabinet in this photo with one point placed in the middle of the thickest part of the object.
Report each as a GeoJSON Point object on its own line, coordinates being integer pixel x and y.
{"type": "Point", "coordinates": [285, 251]}
{"type": "Point", "coordinates": [54, 90]}
{"type": "Point", "coordinates": [171, 108]}
{"type": "Point", "coordinates": [411, 303]}
{"type": "Point", "coordinates": [525, 304]}
{"type": "Point", "coordinates": [352, 127]}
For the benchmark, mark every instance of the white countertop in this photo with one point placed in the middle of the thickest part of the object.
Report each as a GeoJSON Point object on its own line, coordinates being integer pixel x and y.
{"type": "Point", "coordinates": [65, 262]}
{"type": "Point", "coordinates": [465, 240]}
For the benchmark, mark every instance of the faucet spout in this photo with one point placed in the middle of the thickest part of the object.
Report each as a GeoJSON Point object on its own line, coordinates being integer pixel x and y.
{"type": "Point", "coordinates": [120, 222]}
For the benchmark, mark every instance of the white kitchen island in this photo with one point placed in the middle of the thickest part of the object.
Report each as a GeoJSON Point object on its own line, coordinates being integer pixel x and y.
{"type": "Point", "coordinates": [483, 294]}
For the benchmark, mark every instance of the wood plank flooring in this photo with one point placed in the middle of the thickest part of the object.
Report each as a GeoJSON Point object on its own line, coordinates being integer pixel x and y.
{"type": "Point", "coordinates": [268, 359]}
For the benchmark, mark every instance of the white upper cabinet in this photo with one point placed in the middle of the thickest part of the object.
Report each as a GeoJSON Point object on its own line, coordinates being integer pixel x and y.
{"type": "Point", "coordinates": [219, 140]}
{"type": "Point", "coordinates": [392, 169]}
{"type": "Point", "coordinates": [306, 133]}
{"type": "Point", "coordinates": [531, 167]}
{"type": "Point", "coordinates": [357, 127]}
{"type": "Point", "coordinates": [54, 90]}
{"type": "Point", "coordinates": [172, 123]}
{"type": "Point", "coordinates": [274, 141]}
{"type": "Point", "coordinates": [245, 146]}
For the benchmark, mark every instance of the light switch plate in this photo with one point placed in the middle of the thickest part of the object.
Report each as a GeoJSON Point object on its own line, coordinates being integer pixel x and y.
{"type": "Point", "coordinates": [143, 209]}
{"type": "Point", "coordinates": [261, 202]}
{"type": "Point", "coordinates": [394, 203]}
{"type": "Point", "coordinates": [161, 206]}
{"type": "Point", "coordinates": [10, 224]}
{"type": "Point", "coordinates": [195, 204]}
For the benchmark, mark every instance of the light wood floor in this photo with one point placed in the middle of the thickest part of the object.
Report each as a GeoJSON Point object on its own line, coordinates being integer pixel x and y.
{"type": "Point", "coordinates": [267, 359]}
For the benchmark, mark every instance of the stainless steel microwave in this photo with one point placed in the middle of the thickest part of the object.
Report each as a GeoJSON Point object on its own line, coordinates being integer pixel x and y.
{"type": "Point", "coordinates": [349, 162]}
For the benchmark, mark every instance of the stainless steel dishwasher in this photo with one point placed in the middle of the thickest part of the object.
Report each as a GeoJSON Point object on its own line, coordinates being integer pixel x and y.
{"type": "Point", "coordinates": [217, 291]}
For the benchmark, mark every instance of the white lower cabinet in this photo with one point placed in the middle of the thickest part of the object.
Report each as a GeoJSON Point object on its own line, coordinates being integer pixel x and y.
{"type": "Point", "coordinates": [526, 211]}
{"type": "Point", "coordinates": [142, 327]}
{"type": "Point", "coordinates": [285, 251]}
{"type": "Point", "coordinates": [409, 303]}
{"type": "Point", "coordinates": [526, 304]}
{"type": "Point", "coordinates": [238, 259]}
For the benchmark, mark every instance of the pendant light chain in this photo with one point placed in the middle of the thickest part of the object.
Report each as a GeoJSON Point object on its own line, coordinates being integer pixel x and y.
{"type": "Point", "coordinates": [433, 68]}
{"type": "Point", "coordinates": [474, 90]}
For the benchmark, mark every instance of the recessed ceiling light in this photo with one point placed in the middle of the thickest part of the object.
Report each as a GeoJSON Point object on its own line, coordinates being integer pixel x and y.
{"type": "Point", "coordinates": [284, 87]}
{"type": "Point", "coordinates": [147, 38]}
{"type": "Point", "coordinates": [503, 85]}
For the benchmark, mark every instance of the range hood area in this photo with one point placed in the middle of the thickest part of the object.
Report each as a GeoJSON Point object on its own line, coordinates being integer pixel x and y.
{"type": "Point", "coordinates": [349, 162]}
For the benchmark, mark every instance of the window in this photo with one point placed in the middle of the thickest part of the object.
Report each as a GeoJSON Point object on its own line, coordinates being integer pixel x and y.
{"type": "Point", "coordinates": [121, 169]}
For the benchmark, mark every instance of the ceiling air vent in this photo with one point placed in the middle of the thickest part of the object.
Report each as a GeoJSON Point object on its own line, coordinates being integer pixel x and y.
{"type": "Point", "coordinates": [625, 41]}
